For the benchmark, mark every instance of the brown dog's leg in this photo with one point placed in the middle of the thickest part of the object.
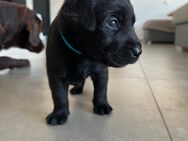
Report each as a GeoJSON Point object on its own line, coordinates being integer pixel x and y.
{"type": "Point", "coordinates": [7, 62]}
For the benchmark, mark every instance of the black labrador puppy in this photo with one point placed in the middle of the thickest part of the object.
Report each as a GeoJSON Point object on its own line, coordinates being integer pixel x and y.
{"type": "Point", "coordinates": [85, 38]}
{"type": "Point", "coordinates": [20, 27]}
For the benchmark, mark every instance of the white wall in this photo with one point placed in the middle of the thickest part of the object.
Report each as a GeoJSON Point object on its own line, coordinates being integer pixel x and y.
{"type": "Point", "coordinates": [153, 9]}
{"type": "Point", "coordinates": [55, 6]}
{"type": "Point", "coordinates": [29, 3]}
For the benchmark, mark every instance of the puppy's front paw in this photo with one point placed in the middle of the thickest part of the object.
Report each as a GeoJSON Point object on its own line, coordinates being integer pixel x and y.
{"type": "Point", "coordinates": [56, 118]}
{"type": "Point", "coordinates": [103, 109]}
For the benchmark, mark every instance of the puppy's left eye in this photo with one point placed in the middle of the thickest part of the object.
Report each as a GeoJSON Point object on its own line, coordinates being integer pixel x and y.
{"type": "Point", "coordinates": [113, 23]}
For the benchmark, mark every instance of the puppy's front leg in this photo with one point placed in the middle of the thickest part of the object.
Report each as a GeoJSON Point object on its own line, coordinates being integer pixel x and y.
{"type": "Point", "coordinates": [100, 102]}
{"type": "Point", "coordinates": [59, 90]}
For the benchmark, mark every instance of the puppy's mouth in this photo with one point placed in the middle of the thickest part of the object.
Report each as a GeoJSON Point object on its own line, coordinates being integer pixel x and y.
{"type": "Point", "coordinates": [120, 58]}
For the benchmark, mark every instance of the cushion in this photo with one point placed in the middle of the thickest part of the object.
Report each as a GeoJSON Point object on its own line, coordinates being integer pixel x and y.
{"type": "Point", "coordinates": [165, 25]}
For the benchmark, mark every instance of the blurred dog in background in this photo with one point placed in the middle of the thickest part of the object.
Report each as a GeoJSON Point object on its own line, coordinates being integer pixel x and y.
{"type": "Point", "coordinates": [19, 27]}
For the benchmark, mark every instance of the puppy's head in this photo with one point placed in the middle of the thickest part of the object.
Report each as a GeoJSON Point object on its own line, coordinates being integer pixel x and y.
{"type": "Point", "coordinates": [102, 30]}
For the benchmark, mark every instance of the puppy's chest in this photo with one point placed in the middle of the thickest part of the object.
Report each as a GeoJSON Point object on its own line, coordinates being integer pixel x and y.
{"type": "Point", "coordinates": [79, 73]}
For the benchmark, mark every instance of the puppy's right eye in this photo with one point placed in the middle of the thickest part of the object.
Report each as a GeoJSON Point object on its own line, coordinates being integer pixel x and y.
{"type": "Point", "coordinates": [113, 23]}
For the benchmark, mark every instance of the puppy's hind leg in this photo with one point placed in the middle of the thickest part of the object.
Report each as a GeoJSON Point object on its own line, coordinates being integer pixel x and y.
{"type": "Point", "coordinates": [77, 89]}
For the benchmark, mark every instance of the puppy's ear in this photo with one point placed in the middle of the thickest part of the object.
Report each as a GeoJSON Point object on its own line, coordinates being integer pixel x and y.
{"type": "Point", "coordinates": [34, 26]}
{"type": "Point", "coordinates": [79, 13]}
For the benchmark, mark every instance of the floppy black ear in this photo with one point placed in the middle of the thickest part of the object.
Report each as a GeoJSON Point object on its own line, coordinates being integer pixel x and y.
{"type": "Point", "coordinates": [79, 13]}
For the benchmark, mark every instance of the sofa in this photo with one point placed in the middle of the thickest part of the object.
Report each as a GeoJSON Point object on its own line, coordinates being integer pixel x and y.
{"type": "Point", "coordinates": [159, 31]}
{"type": "Point", "coordinates": [170, 30]}
{"type": "Point", "coordinates": [180, 19]}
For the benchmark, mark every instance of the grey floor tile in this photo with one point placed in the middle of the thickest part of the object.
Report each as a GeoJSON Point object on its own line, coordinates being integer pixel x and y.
{"type": "Point", "coordinates": [172, 97]}
{"type": "Point", "coordinates": [130, 71]}
{"type": "Point", "coordinates": [164, 62]}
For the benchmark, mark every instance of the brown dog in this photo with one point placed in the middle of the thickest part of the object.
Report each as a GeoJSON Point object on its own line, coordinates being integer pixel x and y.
{"type": "Point", "coordinates": [19, 27]}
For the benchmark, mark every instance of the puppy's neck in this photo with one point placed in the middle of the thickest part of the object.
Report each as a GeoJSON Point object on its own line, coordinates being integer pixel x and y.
{"type": "Point", "coordinates": [69, 45]}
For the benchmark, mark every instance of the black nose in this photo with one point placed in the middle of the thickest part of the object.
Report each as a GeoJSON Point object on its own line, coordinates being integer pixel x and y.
{"type": "Point", "coordinates": [136, 51]}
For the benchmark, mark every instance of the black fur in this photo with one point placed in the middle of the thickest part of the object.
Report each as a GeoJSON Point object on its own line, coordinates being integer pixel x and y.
{"type": "Point", "coordinates": [88, 27]}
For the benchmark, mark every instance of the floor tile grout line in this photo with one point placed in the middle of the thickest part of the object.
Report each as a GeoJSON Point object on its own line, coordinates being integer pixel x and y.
{"type": "Point", "coordinates": [156, 102]}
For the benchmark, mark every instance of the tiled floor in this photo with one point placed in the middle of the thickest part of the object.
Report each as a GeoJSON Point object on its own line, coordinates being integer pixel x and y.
{"type": "Point", "coordinates": [150, 101]}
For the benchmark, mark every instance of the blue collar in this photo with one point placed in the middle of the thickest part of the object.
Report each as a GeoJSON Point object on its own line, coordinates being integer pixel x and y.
{"type": "Point", "coordinates": [69, 45]}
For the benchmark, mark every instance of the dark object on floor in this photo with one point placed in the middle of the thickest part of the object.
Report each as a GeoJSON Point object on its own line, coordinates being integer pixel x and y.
{"type": "Point", "coordinates": [19, 27]}
{"type": "Point", "coordinates": [85, 38]}
{"type": "Point", "coordinates": [159, 31]}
